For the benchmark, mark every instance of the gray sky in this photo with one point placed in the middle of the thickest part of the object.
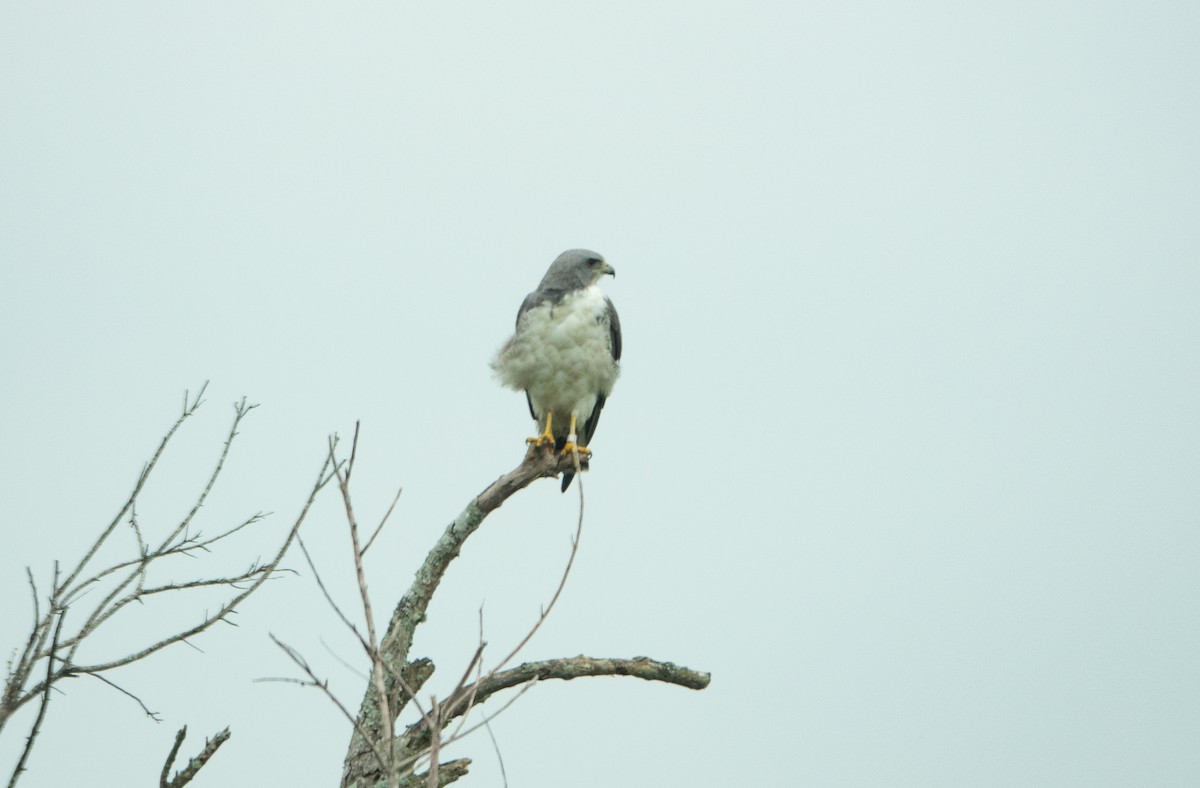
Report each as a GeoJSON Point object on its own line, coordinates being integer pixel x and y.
{"type": "Point", "coordinates": [905, 445]}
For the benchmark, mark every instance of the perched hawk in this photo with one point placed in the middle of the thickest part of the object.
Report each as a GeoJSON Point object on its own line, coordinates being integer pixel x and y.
{"type": "Point", "coordinates": [565, 352]}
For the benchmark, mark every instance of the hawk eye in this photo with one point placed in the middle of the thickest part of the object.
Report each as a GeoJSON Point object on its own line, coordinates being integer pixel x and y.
{"type": "Point", "coordinates": [593, 261]}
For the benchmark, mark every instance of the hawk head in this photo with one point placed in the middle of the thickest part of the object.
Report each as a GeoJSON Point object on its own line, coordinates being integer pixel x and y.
{"type": "Point", "coordinates": [575, 269]}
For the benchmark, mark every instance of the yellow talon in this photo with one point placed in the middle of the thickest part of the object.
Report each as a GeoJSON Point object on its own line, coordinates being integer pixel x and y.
{"type": "Point", "coordinates": [571, 447]}
{"type": "Point", "coordinates": [547, 437]}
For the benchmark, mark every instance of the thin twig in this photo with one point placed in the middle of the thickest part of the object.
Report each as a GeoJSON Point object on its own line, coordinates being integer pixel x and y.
{"type": "Point", "coordinates": [102, 611]}
{"type": "Point", "coordinates": [435, 742]}
{"type": "Point", "coordinates": [329, 650]}
{"type": "Point", "coordinates": [385, 712]}
{"type": "Point", "coordinates": [463, 699]}
{"type": "Point", "coordinates": [19, 672]}
{"type": "Point", "coordinates": [478, 675]}
{"type": "Point", "coordinates": [475, 660]}
{"type": "Point", "coordinates": [545, 612]}
{"type": "Point", "coordinates": [507, 704]}
{"type": "Point", "coordinates": [151, 714]}
{"type": "Point", "coordinates": [226, 609]}
{"type": "Point", "coordinates": [328, 598]}
{"type": "Point", "coordinates": [13, 697]}
{"type": "Point", "coordinates": [140, 593]}
{"type": "Point", "coordinates": [353, 452]}
{"type": "Point", "coordinates": [41, 714]}
{"type": "Point", "coordinates": [313, 681]}
{"type": "Point", "coordinates": [240, 410]}
{"type": "Point", "coordinates": [137, 531]}
{"type": "Point", "coordinates": [410, 611]}
{"type": "Point", "coordinates": [382, 522]}
{"type": "Point", "coordinates": [460, 702]}
{"type": "Point", "coordinates": [183, 547]}
{"type": "Point", "coordinates": [495, 746]}
{"type": "Point", "coordinates": [137, 488]}
{"type": "Point", "coordinates": [562, 583]}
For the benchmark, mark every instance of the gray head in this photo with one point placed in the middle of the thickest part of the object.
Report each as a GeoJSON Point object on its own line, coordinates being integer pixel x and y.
{"type": "Point", "coordinates": [575, 269]}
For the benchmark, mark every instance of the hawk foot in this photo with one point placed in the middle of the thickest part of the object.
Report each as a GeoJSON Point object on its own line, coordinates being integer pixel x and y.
{"type": "Point", "coordinates": [547, 436]}
{"type": "Point", "coordinates": [545, 439]}
{"type": "Point", "coordinates": [573, 448]}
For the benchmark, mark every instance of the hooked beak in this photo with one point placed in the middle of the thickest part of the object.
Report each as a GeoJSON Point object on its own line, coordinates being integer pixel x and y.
{"type": "Point", "coordinates": [608, 269]}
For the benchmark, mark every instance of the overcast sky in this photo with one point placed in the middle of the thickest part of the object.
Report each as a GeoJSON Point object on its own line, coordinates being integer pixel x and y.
{"type": "Point", "coordinates": [905, 447]}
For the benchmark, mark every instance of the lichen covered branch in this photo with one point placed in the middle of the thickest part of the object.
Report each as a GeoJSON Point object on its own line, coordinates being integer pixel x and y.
{"type": "Point", "coordinates": [194, 765]}
{"type": "Point", "coordinates": [422, 741]}
{"type": "Point", "coordinates": [360, 766]}
{"type": "Point", "coordinates": [567, 668]}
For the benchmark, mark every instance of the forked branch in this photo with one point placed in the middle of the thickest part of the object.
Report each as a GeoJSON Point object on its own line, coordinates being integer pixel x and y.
{"type": "Point", "coordinates": [194, 765]}
{"type": "Point", "coordinates": [423, 739]}
{"type": "Point", "coordinates": [97, 589]}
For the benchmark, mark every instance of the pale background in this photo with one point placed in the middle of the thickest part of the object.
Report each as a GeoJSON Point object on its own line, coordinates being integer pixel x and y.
{"type": "Point", "coordinates": [905, 450]}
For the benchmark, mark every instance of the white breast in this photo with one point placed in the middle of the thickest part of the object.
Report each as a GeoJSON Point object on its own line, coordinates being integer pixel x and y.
{"type": "Point", "coordinates": [561, 355]}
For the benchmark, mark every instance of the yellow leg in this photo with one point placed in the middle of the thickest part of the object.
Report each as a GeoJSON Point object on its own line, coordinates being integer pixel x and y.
{"type": "Point", "coordinates": [573, 448]}
{"type": "Point", "coordinates": [547, 437]}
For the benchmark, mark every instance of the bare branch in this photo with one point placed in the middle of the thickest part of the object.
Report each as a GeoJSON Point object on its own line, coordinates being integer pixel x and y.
{"type": "Point", "coordinates": [18, 673]}
{"type": "Point", "coordinates": [576, 667]}
{"type": "Point", "coordinates": [496, 747]}
{"type": "Point", "coordinates": [419, 742]}
{"type": "Point", "coordinates": [228, 607]}
{"type": "Point", "coordinates": [475, 661]}
{"type": "Point", "coordinates": [377, 668]}
{"type": "Point", "coordinates": [117, 597]}
{"type": "Point", "coordinates": [151, 714]}
{"type": "Point", "coordinates": [42, 630]}
{"type": "Point", "coordinates": [353, 451]}
{"type": "Point", "coordinates": [184, 546]}
{"type": "Point", "coordinates": [253, 579]}
{"type": "Point", "coordinates": [185, 775]}
{"type": "Point", "coordinates": [110, 608]}
{"type": "Point", "coordinates": [464, 697]}
{"type": "Point", "coordinates": [328, 598]}
{"type": "Point", "coordinates": [417, 735]}
{"type": "Point", "coordinates": [393, 651]}
{"type": "Point", "coordinates": [538, 463]}
{"type": "Point", "coordinates": [240, 409]}
{"type": "Point", "coordinates": [323, 685]}
{"type": "Point", "coordinates": [137, 531]}
{"type": "Point", "coordinates": [41, 714]}
{"type": "Point", "coordinates": [448, 772]}
{"type": "Point", "coordinates": [137, 488]}
{"type": "Point", "coordinates": [458, 691]}
{"type": "Point", "coordinates": [166, 769]}
{"type": "Point", "coordinates": [562, 583]}
{"type": "Point", "coordinates": [382, 522]}
{"type": "Point", "coordinates": [424, 739]}
{"type": "Point", "coordinates": [435, 752]}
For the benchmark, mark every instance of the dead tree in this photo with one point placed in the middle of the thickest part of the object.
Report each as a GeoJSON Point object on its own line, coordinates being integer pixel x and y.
{"type": "Point", "coordinates": [94, 592]}
{"type": "Point", "coordinates": [80, 601]}
{"type": "Point", "coordinates": [379, 755]}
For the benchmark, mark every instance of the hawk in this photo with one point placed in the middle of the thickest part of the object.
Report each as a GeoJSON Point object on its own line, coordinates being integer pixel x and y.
{"type": "Point", "coordinates": [565, 352]}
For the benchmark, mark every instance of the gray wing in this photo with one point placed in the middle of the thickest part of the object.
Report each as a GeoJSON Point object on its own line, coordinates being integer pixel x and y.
{"type": "Point", "coordinates": [614, 346]}
{"type": "Point", "coordinates": [531, 300]}
{"type": "Point", "coordinates": [614, 330]}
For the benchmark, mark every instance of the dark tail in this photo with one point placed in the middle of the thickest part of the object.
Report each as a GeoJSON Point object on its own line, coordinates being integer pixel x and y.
{"type": "Point", "coordinates": [559, 443]}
